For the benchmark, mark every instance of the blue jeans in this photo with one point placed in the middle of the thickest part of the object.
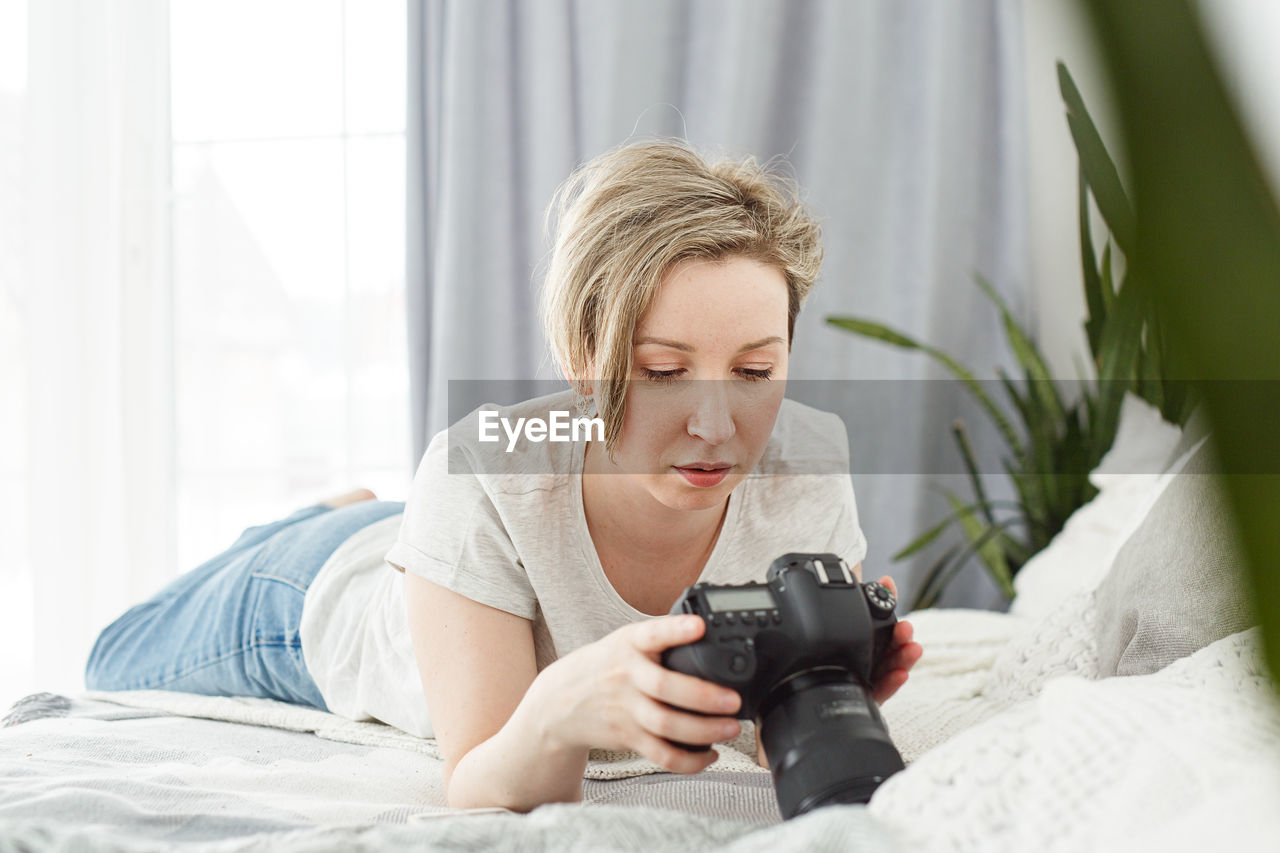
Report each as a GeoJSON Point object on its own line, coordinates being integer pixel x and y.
{"type": "Point", "coordinates": [230, 626]}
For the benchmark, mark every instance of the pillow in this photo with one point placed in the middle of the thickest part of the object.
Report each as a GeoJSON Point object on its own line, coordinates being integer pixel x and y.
{"type": "Point", "coordinates": [1078, 558]}
{"type": "Point", "coordinates": [1142, 444]}
{"type": "Point", "coordinates": [1129, 478]}
{"type": "Point", "coordinates": [1197, 428]}
{"type": "Point", "coordinates": [1176, 584]}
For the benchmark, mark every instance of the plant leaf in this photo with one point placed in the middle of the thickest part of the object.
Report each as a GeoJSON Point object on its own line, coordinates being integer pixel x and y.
{"type": "Point", "coordinates": [880, 332]}
{"type": "Point", "coordinates": [983, 540]}
{"type": "Point", "coordinates": [931, 576]}
{"type": "Point", "coordinates": [1108, 283]}
{"type": "Point", "coordinates": [1042, 386]}
{"type": "Point", "coordinates": [1118, 359]}
{"type": "Point", "coordinates": [942, 571]}
{"type": "Point", "coordinates": [971, 465]}
{"type": "Point", "coordinates": [1093, 297]}
{"type": "Point", "coordinates": [1099, 169]}
{"type": "Point", "coordinates": [1210, 249]}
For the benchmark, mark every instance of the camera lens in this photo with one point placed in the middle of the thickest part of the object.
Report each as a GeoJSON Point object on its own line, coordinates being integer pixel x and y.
{"type": "Point", "coordinates": [825, 740]}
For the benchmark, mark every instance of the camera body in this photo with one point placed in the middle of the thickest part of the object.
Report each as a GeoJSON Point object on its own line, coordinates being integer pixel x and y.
{"type": "Point", "coordinates": [812, 613]}
{"type": "Point", "coordinates": [802, 651]}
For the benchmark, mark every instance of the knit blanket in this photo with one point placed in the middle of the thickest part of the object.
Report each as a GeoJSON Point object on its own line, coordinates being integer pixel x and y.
{"type": "Point", "coordinates": [78, 773]}
{"type": "Point", "coordinates": [733, 756]}
{"type": "Point", "coordinates": [1036, 753]}
{"type": "Point", "coordinates": [1013, 746]}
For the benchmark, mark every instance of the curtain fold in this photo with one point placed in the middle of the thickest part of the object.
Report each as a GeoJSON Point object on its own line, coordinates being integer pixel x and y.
{"type": "Point", "coordinates": [903, 120]}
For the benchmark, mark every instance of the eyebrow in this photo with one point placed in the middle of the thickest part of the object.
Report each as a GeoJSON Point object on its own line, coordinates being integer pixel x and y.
{"type": "Point", "coordinates": [683, 347]}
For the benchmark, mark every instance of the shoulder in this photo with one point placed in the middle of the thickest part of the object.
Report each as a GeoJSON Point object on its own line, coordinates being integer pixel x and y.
{"type": "Point", "coordinates": [510, 449]}
{"type": "Point", "coordinates": [800, 496]}
{"type": "Point", "coordinates": [465, 486]}
{"type": "Point", "coordinates": [805, 440]}
{"type": "Point", "coordinates": [802, 481]}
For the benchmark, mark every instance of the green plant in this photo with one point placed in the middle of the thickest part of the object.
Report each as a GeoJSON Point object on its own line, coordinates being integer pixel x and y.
{"type": "Point", "coordinates": [1055, 443]}
{"type": "Point", "coordinates": [1207, 235]}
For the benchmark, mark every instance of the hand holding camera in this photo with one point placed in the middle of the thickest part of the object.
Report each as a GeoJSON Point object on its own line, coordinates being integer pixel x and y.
{"type": "Point", "coordinates": [803, 651]}
{"type": "Point", "coordinates": [615, 694]}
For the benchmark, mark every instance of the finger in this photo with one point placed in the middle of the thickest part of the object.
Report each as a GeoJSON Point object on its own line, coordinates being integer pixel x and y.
{"type": "Point", "coordinates": [888, 581]}
{"type": "Point", "coordinates": [674, 724]}
{"type": "Point", "coordinates": [681, 690]}
{"type": "Point", "coordinates": [667, 755]}
{"type": "Point", "coordinates": [902, 634]}
{"type": "Point", "coordinates": [895, 651]}
{"type": "Point", "coordinates": [903, 657]}
{"type": "Point", "coordinates": [663, 632]}
{"type": "Point", "coordinates": [888, 685]}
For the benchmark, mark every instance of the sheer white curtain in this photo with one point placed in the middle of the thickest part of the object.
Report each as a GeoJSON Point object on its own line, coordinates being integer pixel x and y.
{"type": "Point", "coordinates": [89, 289]}
{"type": "Point", "coordinates": [201, 309]}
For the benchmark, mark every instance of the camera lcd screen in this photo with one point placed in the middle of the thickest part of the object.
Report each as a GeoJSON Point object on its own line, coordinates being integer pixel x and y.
{"type": "Point", "coordinates": [750, 598]}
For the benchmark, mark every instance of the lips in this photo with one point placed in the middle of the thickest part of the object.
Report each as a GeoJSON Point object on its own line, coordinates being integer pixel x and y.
{"type": "Point", "coordinates": [704, 474]}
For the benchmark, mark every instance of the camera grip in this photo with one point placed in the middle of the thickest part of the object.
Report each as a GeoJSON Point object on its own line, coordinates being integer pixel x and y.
{"type": "Point", "coordinates": [685, 659]}
{"type": "Point", "coordinates": [682, 659]}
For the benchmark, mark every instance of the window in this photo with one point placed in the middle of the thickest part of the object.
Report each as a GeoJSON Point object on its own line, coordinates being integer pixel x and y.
{"type": "Point", "coordinates": [288, 248]}
{"type": "Point", "coordinates": [201, 293]}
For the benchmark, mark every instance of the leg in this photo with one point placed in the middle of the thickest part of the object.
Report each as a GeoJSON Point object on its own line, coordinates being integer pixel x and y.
{"type": "Point", "coordinates": [230, 627]}
{"type": "Point", "coordinates": [350, 498]}
{"type": "Point", "coordinates": [255, 536]}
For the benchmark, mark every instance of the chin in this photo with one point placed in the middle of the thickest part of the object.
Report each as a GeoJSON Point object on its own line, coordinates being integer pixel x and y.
{"type": "Point", "coordinates": [675, 493]}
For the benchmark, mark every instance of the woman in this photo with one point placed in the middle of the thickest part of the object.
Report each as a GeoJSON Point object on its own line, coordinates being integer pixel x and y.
{"type": "Point", "coordinates": [521, 611]}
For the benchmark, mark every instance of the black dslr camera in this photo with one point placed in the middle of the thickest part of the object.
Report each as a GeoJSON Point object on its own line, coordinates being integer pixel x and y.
{"type": "Point", "coordinates": [801, 649]}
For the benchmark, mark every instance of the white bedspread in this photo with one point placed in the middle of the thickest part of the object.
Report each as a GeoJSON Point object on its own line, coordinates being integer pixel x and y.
{"type": "Point", "coordinates": [1013, 745]}
{"type": "Point", "coordinates": [83, 773]}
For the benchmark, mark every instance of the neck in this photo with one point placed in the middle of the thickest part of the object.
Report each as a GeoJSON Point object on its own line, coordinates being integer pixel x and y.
{"type": "Point", "coordinates": [624, 519]}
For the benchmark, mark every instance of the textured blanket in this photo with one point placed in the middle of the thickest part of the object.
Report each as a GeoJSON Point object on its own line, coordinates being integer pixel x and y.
{"type": "Point", "coordinates": [1014, 744]}
{"type": "Point", "coordinates": [735, 756]}
{"type": "Point", "coordinates": [174, 769]}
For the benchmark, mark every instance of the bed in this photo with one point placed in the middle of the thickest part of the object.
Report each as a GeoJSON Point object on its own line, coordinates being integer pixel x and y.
{"type": "Point", "coordinates": [1022, 731]}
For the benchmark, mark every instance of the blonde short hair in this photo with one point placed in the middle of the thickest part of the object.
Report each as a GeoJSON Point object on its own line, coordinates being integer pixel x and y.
{"type": "Point", "coordinates": [625, 218]}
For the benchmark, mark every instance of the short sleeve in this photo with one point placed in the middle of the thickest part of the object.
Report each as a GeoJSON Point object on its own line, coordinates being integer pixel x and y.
{"type": "Point", "coordinates": [453, 535]}
{"type": "Point", "coordinates": [846, 540]}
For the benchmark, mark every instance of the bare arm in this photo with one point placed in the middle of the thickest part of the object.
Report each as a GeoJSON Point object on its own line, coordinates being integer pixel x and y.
{"type": "Point", "coordinates": [494, 752]}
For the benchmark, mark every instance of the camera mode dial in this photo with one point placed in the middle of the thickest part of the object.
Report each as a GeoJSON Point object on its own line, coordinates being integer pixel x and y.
{"type": "Point", "coordinates": [881, 600]}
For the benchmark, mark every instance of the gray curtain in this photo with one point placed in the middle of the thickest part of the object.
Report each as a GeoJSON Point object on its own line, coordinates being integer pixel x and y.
{"type": "Point", "coordinates": [902, 119]}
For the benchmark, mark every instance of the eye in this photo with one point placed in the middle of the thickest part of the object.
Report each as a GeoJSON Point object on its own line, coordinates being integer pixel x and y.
{"type": "Point", "coordinates": [755, 375]}
{"type": "Point", "coordinates": [663, 375]}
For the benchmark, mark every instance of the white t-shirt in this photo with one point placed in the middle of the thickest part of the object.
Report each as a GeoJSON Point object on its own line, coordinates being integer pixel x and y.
{"type": "Point", "coordinates": [509, 531]}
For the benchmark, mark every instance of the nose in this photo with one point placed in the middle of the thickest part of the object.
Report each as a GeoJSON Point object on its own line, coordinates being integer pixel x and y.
{"type": "Point", "coordinates": [712, 419]}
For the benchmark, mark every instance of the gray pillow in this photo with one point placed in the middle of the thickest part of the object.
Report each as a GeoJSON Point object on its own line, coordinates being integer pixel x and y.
{"type": "Point", "coordinates": [1197, 427]}
{"type": "Point", "coordinates": [1177, 583]}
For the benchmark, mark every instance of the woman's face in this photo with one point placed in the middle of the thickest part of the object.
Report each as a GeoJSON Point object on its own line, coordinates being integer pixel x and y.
{"type": "Point", "coordinates": [709, 368]}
